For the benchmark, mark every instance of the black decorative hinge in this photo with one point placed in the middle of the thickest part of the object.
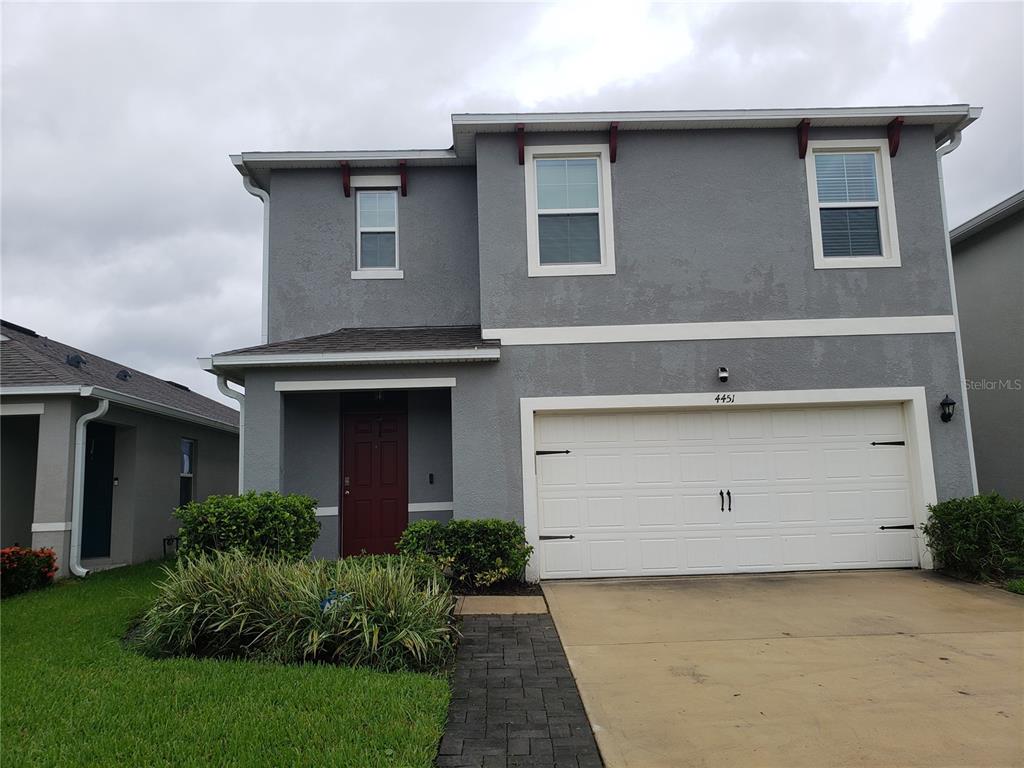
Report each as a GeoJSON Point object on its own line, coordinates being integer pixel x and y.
{"type": "Point", "coordinates": [892, 442]}
{"type": "Point", "coordinates": [549, 538]}
{"type": "Point", "coordinates": [896, 527]}
{"type": "Point", "coordinates": [548, 453]}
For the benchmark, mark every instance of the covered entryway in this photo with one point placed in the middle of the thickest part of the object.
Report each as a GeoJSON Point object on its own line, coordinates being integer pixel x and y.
{"type": "Point", "coordinates": [859, 668]}
{"type": "Point", "coordinates": [644, 491]}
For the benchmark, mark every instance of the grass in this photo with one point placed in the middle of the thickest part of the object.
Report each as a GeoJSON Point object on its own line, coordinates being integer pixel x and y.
{"type": "Point", "coordinates": [72, 695]}
{"type": "Point", "coordinates": [1015, 585]}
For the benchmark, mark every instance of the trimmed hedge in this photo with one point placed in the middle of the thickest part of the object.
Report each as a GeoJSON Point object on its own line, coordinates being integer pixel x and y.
{"type": "Point", "coordinates": [380, 612]}
{"type": "Point", "coordinates": [980, 537]}
{"type": "Point", "coordinates": [480, 553]}
{"type": "Point", "coordinates": [23, 569]}
{"type": "Point", "coordinates": [253, 523]}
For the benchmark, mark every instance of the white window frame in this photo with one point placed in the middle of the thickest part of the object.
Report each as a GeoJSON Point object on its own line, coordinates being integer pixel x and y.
{"type": "Point", "coordinates": [888, 235]}
{"type": "Point", "coordinates": [604, 211]}
{"type": "Point", "coordinates": [391, 184]}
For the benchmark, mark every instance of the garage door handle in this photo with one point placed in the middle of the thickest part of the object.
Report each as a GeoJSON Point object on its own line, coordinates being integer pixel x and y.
{"type": "Point", "coordinates": [549, 453]}
{"type": "Point", "coordinates": [721, 495]}
{"type": "Point", "coordinates": [896, 527]}
{"type": "Point", "coordinates": [728, 495]}
{"type": "Point", "coordinates": [891, 442]}
{"type": "Point", "coordinates": [549, 538]}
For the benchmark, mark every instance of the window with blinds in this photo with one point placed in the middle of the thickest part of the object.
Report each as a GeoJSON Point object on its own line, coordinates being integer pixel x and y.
{"type": "Point", "coordinates": [568, 202]}
{"type": "Point", "coordinates": [852, 219]}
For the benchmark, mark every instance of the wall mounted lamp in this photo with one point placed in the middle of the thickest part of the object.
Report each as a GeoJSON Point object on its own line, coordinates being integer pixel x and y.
{"type": "Point", "coordinates": [948, 406]}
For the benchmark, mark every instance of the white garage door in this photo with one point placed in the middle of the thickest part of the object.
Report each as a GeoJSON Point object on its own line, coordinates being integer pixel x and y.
{"type": "Point", "coordinates": [677, 492]}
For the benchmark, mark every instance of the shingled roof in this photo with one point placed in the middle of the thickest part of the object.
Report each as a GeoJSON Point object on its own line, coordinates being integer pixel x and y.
{"type": "Point", "coordinates": [30, 360]}
{"type": "Point", "coordinates": [450, 337]}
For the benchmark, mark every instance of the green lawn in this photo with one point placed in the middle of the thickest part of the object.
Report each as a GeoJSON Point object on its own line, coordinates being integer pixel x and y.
{"type": "Point", "coordinates": [71, 695]}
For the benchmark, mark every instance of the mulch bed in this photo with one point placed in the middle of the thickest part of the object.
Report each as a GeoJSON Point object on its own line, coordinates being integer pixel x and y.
{"type": "Point", "coordinates": [514, 588]}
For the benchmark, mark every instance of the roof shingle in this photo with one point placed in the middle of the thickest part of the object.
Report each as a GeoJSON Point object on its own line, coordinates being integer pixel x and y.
{"type": "Point", "coordinates": [28, 359]}
{"type": "Point", "coordinates": [377, 340]}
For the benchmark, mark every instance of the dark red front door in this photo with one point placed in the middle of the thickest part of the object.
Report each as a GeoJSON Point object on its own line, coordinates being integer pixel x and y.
{"type": "Point", "coordinates": [374, 479]}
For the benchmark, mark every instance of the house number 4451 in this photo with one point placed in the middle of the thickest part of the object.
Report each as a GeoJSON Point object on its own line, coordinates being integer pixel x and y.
{"type": "Point", "coordinates": [724, 399]}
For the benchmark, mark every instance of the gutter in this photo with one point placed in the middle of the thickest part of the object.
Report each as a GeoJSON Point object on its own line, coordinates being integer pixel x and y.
{"type": "Point", "coordinates": [257, 191]}
{"type": "Point", "coordinates": [234, 394]}
{"type": "Point", "coordinates": [955, 137]}
{"type": "Point", "coordinates": [78, 492]}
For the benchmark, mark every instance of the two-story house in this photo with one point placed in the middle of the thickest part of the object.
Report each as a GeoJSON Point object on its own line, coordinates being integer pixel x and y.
{"type": "Point", "coordinates": [666, 342]}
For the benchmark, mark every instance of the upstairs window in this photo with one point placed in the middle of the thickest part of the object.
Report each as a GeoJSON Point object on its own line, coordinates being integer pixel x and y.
{"type": "Point", "coordinates": [853, 219]}
{"type": "Point", "coordinates": [568, 202]}
{"type": "Point", "coordinates": [377, 233]}
{"type": "Point", "coordinates": [187, 472]}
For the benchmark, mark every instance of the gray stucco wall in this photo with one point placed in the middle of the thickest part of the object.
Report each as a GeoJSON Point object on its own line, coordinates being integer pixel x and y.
{"type": "Point", "coordinates": [486, 452]}
{"type": "Point", "coordinates": [311, 462]}
{"type": "Point", "coordinates": [18, 448]}
{"type": "Point", "coordinates": [989, 272]}
{"type": "Point", "coordinates": [146, 465]}
{"type": "Point", "coordinates": [709, 226]}
{"type": "Point", "coordinates": [313, 252]}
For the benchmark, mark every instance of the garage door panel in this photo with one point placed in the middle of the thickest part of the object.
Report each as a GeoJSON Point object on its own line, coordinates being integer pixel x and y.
{"type": "Point", "coordinates": [640, 492]}
{"type": "Point", "coordinates": [656, 511]}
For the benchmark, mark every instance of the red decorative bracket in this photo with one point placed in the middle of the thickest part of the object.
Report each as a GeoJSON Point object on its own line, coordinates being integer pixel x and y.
{"type": "Point", "coordinates": [893, 131]}
{"type": "Point", "coordinates": [404, 174]}
{"type": "Point", "coordinates": [802, 130]}
{"type": "Point", "coordinates": [613, 141]}
{"type": "Point", "coordinates": [346, 179]}
{"type": "Point", "coordinates": [521, 142]}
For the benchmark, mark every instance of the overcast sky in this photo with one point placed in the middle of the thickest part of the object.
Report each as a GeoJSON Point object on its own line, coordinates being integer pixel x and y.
{"type": "Point", "coordinates": [126, 231]}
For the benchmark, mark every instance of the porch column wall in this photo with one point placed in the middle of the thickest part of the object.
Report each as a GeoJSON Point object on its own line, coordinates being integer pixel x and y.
{"type": "Point", "coordinates": [263, 433]}
{"type": "Point", "coordinates": [54, 479]}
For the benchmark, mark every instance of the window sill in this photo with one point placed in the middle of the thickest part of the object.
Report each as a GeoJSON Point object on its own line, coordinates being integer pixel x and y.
{"type": "Point", "coordinates": [570, 270]}
{"type": "Point", "coordinates": [858, 263]}
{"type": "Point", "coordinates": [377, 274]}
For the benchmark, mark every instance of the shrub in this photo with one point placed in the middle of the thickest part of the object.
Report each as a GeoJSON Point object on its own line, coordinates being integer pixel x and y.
{"type": "Point", "coordinates": [361, 612]}
{"type": "Point", "coordinates": [478, 553]}
{"type": "Point", "coordinates": [978, 537]}
{"type": "Point", "coordinates": [1016, 586]}
{"type": "Point", "coordinates": [23, 569]}
{"type": "Point", "coordinates": [253, 523]}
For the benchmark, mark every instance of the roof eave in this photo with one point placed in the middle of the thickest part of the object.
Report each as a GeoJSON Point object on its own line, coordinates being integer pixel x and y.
{"type": "Point", "coordinates": [224, 363]}
{"type": "Point", "coordinates": [998, 212]}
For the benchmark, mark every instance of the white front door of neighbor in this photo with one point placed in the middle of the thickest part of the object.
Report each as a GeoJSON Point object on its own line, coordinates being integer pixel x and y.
{"type": "Point", "coordinates": [646, 493]}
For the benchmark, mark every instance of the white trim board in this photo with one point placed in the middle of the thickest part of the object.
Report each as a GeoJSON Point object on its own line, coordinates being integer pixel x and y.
{"type": "Point", "coordinates": [50, 527]}
{"type": "Point", "coordinates": [21, 409]}
{"type": "Point", "coordinates": [347, 385]}
{"type": "Point", "coordinates": [432, 506]}
{"type": "Point", "coordinates": [913, 399]}
{"type": "Point", "coordinates": [424, 506]}
{"type": "Point", "coordinates": [736, 329]}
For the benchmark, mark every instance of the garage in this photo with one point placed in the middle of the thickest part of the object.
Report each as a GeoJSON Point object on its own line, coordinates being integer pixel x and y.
{"type": "Point", "coordinates": [642, 491]}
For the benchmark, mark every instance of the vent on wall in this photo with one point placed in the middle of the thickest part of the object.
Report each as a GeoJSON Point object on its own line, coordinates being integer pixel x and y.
{"type": "Point", "coordinates": [75, 360]}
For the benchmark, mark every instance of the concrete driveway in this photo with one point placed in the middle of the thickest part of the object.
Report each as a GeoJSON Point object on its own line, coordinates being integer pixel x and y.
{"type": "Point", "coordinates": [897, 668]}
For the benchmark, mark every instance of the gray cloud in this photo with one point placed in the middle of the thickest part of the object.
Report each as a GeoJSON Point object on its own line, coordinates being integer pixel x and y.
{"type": "Point", "coordinates": [126, 231]}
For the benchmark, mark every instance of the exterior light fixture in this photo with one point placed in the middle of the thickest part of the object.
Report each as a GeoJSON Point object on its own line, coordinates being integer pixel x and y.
{"type": "Point", "coordinates": [948, 405]}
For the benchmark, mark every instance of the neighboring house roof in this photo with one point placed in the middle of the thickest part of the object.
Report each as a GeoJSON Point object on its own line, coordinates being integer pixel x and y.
{"type": "Point", "coordinates": [33, 364]}
{"type": "Point", "coordinates": [421, 344]}
{"type": "Point", "coordinates": [945, 118]}
{"type": "Point", "coordinates": [986, 219]}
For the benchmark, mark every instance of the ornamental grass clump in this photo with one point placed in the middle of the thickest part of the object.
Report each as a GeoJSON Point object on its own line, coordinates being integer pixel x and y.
{"type": "Point", "coordinates": [382, 613]}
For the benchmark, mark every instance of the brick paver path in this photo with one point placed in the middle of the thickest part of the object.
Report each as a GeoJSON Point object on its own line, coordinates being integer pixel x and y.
{"type": "Point", "coordinates": [514, 700]}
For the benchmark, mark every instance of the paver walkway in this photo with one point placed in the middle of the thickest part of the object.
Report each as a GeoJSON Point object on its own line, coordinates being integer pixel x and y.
{"type": "Point", "coordinates": [514, 700]}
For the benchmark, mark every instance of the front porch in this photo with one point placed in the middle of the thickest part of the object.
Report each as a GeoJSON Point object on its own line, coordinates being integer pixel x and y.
{"type": "Point", "coordinates": [375, 460]}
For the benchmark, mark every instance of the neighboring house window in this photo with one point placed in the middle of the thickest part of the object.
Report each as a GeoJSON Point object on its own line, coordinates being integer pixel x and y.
{"type": "Point", "coordinates": [569, 211]}
{"type": "Point", "coordinates": [853, 217]}
{"type": "Point", "coordinates": [187, 480]}
{"type": "Point", "coordinates": [377, 227]}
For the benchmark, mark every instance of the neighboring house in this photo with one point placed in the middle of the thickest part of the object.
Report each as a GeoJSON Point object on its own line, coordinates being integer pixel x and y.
{"type": "Point", "coordinates": [97, 455]}
{"type": "Point", "coordinates": [666, 342]}
{"type": "Point", "coordinates": [988, 261]}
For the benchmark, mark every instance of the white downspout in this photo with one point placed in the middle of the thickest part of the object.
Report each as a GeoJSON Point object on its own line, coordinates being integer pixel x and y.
{"type": "Point", "coordinates": [940, 153]}
{"type": "Point", "coordinates": [234, 394]}
{"type": "Point", "coordinates": [78, 490]}
{"type": "Point", "coordinates": [263, 195]}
